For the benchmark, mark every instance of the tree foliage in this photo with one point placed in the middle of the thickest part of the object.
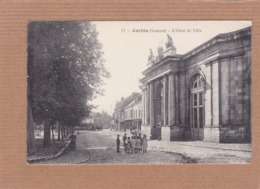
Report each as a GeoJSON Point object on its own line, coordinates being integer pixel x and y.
{"type": "Point", "coordinates": [102, 120]}
{"type": "Point", "coordinates": [65, 70]}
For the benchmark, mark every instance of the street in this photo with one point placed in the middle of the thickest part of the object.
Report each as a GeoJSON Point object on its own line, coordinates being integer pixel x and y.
{"type": "Point", "coordinates": [96, 147]}
{"type": "Point", "coordinates": [99, 147]}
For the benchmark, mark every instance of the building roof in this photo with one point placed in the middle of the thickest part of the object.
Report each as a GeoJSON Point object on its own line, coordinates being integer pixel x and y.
{"type": "Point", "coordinates": [125, 102]}
{"type": "Point", "coordinates": [217, 39]}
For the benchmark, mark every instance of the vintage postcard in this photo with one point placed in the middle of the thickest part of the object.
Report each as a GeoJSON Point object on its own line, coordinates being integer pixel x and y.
{"type": "Point", "coordinates": [139, 92]}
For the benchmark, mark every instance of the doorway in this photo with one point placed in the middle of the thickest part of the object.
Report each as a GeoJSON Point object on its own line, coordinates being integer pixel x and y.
{"type": "Point", "coordinates": [158, 111]}
{"type": "Point", "coordinates": [197, 108]}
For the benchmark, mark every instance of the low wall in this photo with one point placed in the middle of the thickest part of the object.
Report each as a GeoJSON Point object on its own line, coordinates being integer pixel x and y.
{"type": "Point", "coordinates": [233, 134]}
{"type": "Point", "coordinates": [166, 133]}
{"type": "Point", "coordinates": [227, 134]}
{"type": "Point", "coordinates": [211, 134]}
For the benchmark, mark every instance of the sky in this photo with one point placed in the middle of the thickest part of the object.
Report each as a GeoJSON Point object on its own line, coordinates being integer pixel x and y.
{"type": "Point", "coordinates": [126, 47]}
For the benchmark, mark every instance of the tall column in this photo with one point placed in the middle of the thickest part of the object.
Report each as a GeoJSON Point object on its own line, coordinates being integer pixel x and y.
{"type": "Point", "coordinates": [215, 93]}
{"type": "Point", "coordinates": [208, 97]}
{"type": "Point", "coordinates": [187, 107]}
{"type": "Point", "coordinates": [177, 99]}
{"type": "Point", "coordinates": [146, 105]}
{"type": "Point", "coordinates": [165, 121]}
{"type": "Point", "coordinates": [171, 100]}
{"type": "Point", "coordinates": [151, 104]}
{"type": "Point", "coordinates": [143, 107]}
{"type": "Point", "coordinates": [148, 121]}
{"type": "Point", "coordinates": [166, 130]}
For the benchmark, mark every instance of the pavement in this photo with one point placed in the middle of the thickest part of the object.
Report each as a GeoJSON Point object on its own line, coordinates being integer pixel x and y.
{"type": "Point", "coordinates": [202, 151]}
{"type": "Point", "coordinates": [33, 158]}
{"type": "Point", "coordinates": [202, 144]}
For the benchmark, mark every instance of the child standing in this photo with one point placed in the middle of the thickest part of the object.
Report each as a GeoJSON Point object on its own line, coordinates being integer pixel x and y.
{"type": "Point", "coordinates": [118, 143]}
{"type": "Point", "coordinates": [141, 141]}
{"type": "Point", "coordinates": [144, 144]}
{"type": "Point", "coordinates": [138, 144]}
{"type": "Point", "coordinates": [133, 142]}
{"type": "Point", "coordinates": [129, 144]}
{"type": "Point", "coordinates": [125, 143]}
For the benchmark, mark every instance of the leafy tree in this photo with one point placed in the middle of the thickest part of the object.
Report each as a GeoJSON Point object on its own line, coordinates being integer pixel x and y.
{"type": "Point", "coordinates": [102, 120]}
{"type": "Point", "coordinates": [65, 71]}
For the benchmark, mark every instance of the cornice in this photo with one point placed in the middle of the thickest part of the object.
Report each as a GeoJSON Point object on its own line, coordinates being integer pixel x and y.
{"type": "Point", "coordinates": [223, 57]}
{"type": "Point", "coordinates": [219, 38]}
{"type": "Point", "coordinates": [161, 62]}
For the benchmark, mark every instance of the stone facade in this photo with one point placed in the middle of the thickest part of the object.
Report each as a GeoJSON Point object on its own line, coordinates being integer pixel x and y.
{"type": "Point", "coordinates": [204, 94]}
{"type": "Point", "coordinates": [128, 113]}
{"type": "Point", "coordinates": [133, 114]}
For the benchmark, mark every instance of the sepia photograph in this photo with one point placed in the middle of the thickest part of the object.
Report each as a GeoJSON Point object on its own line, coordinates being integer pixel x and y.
{"type": "Point", "coordinates": [139, 92]}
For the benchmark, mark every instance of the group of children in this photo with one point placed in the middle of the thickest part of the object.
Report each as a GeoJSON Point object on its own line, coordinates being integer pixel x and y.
{"type": "Point", "coordinates": [135, 144]}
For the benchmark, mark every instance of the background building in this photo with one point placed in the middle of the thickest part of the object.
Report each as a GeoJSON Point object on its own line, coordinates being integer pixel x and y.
{"type": "Point", "coordinates": [128, 113]}
{"type": "Point", "coordinates": [137, 112]}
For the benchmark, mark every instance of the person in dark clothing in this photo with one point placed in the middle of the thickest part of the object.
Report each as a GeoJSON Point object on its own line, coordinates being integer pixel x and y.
{"type": "Point", "coordinates": [118, 143]}
{"type": "Point", "coordinates": [125, 142]}
{"type": "Point", "coordinates": [140, 136]}
{"type": "Point", "coordinates": [73, 141]}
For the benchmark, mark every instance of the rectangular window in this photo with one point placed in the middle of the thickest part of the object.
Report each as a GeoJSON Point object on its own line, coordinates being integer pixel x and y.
{"type": "Point", "coordinates": [192, 117]}
{"type": "Point", "coordinates": [195, 100]}
{"type": "Point", "coordinates": [201, 117]}
{"type": "Point", "coordinates": [195, 117]}
{"type": "Point", "coordinates": [200, 99]}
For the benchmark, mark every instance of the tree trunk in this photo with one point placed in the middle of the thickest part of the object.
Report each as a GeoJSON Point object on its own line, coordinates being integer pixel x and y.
{"type": "Point", "coordinates": [47, 134]}
{"type": "Point", "coordinates": [62, 133]}
{"type": "Point", "coordinates": [30, 129]}
{"type": "Point", "coordinates": [52, 130]}
{"type": "Point", "coordinates": [66, 131]}
{"type": "Point", "coordinates": [59, 131]}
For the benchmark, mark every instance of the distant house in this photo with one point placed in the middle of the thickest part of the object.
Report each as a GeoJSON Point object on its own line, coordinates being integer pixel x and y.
{"type": "Point", "coordinates": [127, 113]}
{"type": "Point", "coordinates": [137, 112]}
{"type": "Point", "coordinates": [128, 110]}
{"type": "Point", "coordinates": [117, 115]}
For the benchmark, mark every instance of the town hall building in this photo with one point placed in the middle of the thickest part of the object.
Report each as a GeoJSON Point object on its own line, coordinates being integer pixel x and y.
{"type": "Point", "coordinates": [204, 94]}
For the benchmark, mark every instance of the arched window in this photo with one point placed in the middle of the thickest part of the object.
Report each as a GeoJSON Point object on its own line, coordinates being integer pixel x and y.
{"type": "Point", "coordinates": [197, 82]}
